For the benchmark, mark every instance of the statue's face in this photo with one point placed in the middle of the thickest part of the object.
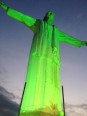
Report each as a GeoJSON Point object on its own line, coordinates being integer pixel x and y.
{"type": "Point", "coordinates": [51, 15]}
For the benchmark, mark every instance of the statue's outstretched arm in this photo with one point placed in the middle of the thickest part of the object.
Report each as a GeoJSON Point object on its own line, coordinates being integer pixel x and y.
{"type": "Point", "coordinates": [63, 37]}
{"type": "Point", "coordinates": [27, 20]}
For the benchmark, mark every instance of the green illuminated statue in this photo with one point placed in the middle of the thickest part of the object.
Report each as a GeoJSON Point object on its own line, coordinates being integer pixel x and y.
{"type": "Point", "coordinates": [42, 94]}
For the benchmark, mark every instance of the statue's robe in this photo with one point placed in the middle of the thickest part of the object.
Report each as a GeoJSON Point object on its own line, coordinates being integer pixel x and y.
{"type": "Point", "coordinates": [42, 95]}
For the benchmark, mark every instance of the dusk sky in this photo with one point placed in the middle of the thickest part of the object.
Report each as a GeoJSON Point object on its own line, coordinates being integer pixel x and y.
{"type": "Point", "coordinates": [15, 44]}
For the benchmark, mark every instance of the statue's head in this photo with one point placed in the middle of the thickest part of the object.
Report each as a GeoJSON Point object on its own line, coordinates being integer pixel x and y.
{"type": "Point", "coordinates": [49, 16]}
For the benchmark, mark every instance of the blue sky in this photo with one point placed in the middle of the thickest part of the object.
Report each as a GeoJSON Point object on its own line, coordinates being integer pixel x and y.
{"type": "Point", "coordinates": [15, 43]}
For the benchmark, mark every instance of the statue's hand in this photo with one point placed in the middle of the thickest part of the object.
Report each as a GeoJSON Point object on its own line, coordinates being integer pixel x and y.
{"type": "Point", "coordinates": [4, 6]}
{"type": "Point", "coordinates": [84, 43]}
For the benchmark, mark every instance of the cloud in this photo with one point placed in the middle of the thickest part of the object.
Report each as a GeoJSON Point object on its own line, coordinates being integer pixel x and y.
{"type": "Point", "coordinates": [7, 106]}
{"type": "Point", "coordinates": [9, 95]}
{"type": "Point", "coordinates": [76, 110]}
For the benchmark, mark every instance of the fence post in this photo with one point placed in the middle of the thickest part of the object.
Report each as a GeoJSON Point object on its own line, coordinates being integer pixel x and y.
{"type": "Point", "coordinates": [21, 99]}
{"type": "Point", "coordinates": [63, 100]}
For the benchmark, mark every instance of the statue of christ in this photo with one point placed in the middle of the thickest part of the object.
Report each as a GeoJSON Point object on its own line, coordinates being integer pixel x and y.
{"type": "Point", "coordinates": [42, 94]}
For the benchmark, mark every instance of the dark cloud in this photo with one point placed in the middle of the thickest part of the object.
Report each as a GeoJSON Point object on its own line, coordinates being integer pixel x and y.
{"type": "Point", "coordinates": [7, 106]}
{"type": "Point", "coordinates": [7, 94]}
